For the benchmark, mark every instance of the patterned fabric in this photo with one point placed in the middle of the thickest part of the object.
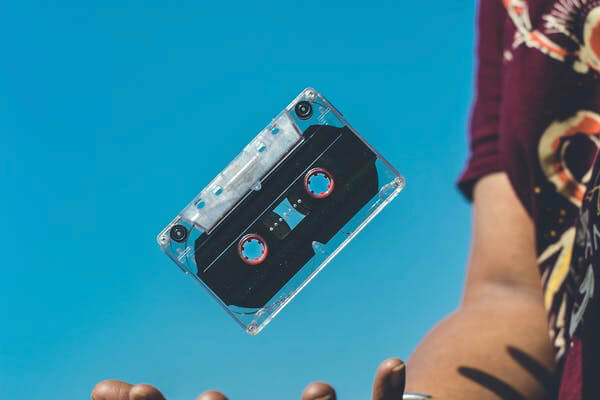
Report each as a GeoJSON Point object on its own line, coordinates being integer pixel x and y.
{"type": "Point", "coordinates": [537, 117]}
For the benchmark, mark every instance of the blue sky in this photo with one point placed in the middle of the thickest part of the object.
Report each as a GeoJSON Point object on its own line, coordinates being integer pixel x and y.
{"type": "Point", "coordinates": [115, 114]}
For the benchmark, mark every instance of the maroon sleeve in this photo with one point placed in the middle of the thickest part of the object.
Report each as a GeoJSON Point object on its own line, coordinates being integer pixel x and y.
{"type": "Point", "coordinates": [484, 155]}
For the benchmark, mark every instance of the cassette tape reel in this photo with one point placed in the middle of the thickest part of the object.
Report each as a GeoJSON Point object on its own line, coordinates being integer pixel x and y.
{"type": "Point", "coordinates": [281, 210]}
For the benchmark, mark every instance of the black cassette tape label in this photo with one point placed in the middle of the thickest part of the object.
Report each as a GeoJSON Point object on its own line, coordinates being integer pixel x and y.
{"type": "Point", "coordinates": [352, 165]}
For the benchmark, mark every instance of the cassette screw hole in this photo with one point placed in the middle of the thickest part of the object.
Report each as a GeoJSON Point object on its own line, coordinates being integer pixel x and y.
{"type": "Point", "coordinates": [318, 183]}
{"type": "Point", "coordinates": [252, 249]}
{"type": "Point", "coordinates": [275, 130]}
{"type": "Point", "coordinates": [303, 110]}
{"type": "Point", "coordinates": [218, 190]}
{"type": "Point", "coordinates": [200, 205]}
{"type": "Point", "coordinates": [179, 233]}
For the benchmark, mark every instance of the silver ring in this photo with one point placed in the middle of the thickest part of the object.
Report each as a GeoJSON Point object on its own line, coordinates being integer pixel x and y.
{"type": "Point", "coordinates": [416, 396]}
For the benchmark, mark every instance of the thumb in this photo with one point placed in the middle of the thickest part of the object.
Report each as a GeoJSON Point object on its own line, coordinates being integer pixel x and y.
{"type": "Point", "coordinates": [389, 380]}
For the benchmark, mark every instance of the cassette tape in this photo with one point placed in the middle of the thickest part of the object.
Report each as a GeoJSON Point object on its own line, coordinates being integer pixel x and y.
{"type": "Point", "coordinates": [297, 194]}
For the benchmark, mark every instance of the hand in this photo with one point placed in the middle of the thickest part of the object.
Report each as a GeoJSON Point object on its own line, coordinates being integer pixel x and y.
{"type": "Point", "coordinates": [388, 385]}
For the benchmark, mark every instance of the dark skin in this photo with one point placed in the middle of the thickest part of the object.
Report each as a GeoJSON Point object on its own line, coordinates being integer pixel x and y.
{"type": "Point", "coordinates": [388, 385]}
{"type": "Point", "coordinates": [494, 346]}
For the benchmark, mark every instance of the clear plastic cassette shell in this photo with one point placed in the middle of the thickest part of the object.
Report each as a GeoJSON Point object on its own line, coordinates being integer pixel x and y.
{"type": "Point", "coordinates": [295, 196]}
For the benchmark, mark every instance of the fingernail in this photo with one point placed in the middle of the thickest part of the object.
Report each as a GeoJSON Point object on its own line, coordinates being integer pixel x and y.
{"type": "Point", "coordinates": [397, 375]}
{"type": "Point", "coordinates": [398, 368]}
{"type": "Point", "coordinates": [328, 397]}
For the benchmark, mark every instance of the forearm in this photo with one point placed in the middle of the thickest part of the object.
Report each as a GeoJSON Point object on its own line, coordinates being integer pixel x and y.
{"type": "Point", "coordinates": [490, 349]}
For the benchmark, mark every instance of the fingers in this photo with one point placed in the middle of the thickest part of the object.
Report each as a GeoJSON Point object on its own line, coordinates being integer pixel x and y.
{"type": "Point", "coordinates": [388, 385]}
{"type": "Point", "coordinates": [211, 395]}
{"type": "Point", "coordinates": [117, 390]}
{"type": "Point", "coordinates": [389, 380]}
{"type": "Point", "coordinates": [145, 392]}
{"type": "Point", "coordinates": [111, 390]}
{"type": "Point", "coordinates": [318, 391]}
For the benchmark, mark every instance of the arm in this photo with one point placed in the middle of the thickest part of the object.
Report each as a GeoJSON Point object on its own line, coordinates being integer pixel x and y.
{"type": "Point", "coordinates": [496, 341]}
